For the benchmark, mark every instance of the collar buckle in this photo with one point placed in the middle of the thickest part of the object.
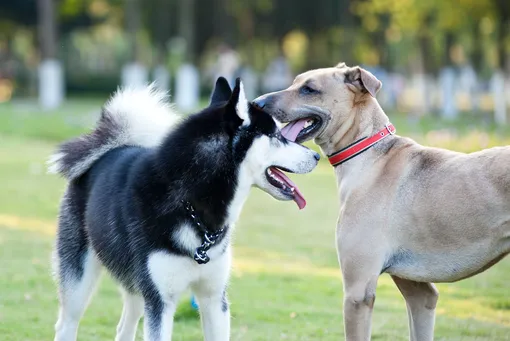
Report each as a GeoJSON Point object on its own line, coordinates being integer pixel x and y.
{"type": "Point", "coordinates": [390, 128]}
{"type": "Point", "coordinates": [208, 238]}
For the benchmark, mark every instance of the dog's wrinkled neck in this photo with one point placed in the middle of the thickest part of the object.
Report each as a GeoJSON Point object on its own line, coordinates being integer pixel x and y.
{"type": "Point", "coordinates": [364, 120]}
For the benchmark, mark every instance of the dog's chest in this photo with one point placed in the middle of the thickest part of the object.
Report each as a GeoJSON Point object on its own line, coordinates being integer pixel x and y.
{"type": "Point", "coordinates": [173, 274]}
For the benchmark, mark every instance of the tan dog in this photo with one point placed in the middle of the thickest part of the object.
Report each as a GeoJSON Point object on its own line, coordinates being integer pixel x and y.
{"type": "Point", "coordinates": [420, 214]}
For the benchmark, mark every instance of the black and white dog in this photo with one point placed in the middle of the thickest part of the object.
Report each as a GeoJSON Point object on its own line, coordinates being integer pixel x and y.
{"type": "Point", "coordinates": [154, 201]}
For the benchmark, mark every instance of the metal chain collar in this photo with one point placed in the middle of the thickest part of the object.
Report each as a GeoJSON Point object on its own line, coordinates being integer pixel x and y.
{"type": "Point", "coordinates": [208, 239]}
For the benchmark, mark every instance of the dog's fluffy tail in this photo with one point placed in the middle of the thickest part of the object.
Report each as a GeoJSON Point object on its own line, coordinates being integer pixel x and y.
{"type": "Point", "coordinates": [132, 117]}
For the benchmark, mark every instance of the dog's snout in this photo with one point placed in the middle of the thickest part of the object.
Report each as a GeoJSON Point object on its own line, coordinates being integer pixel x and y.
{"type": "Point", "coordinates": [317, 156]}
{"type": "Point", "coordinates": [260, 102]}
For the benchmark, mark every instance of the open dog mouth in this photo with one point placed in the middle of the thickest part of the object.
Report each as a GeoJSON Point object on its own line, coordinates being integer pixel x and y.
{"type": "Point", "coordinates": [278, 179]}
{"type": "Point", "coordinates": [300, 130]}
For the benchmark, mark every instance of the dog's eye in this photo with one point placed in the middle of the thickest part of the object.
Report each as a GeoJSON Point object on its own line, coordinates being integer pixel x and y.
{"type": "Point", "coordinates": [306, 90]}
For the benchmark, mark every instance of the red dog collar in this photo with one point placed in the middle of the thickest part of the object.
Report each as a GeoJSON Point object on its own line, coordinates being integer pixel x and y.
{"type": "Point", "coordinates": [360, 146]}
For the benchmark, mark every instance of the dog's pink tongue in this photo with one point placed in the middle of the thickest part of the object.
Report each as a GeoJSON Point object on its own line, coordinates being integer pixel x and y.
{"type": "Point", "coordinates": [297, 195]}
{"type": "Point", "coordinates": [291, 130]}
{"type": "Point", "coordinates": [299, 199]}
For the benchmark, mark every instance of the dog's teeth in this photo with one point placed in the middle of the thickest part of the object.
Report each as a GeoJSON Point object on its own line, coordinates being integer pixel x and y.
{"type": "Point", "coordinates": [308, 123]}
{"type": "Point", "coordinates": [292, 189]}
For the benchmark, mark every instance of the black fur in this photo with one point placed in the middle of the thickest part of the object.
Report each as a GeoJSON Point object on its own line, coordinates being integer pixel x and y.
{"type": "Point", "coordinates": [80, 148]}
{"type": "Point", "coordinates": [224, 302]}
{"type": "Point", "coordinates": [222, 91]}
{"type": "Point", "coordinates": [127, 206]}
{"type": "Point", "coordinates": [128, 203]}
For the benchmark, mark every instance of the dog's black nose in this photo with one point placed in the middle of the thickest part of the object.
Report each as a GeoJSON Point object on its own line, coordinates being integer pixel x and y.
{"type": "Point", "coordinates": [260, 102]}
{"type": "Point", "coordinates": [317, 156]}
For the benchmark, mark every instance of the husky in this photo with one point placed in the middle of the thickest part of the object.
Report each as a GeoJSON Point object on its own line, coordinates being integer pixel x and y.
{"type": "Point", "coordinates": [154, 199]}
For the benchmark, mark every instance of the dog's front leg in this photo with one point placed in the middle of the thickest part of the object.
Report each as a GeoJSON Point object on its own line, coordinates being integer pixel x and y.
{"type": "Point", "coordinates": [215, 315]}
{"type": "Point", "coordinates": [359, 298]}
{"type": "Point", "coordinates": [159, 319]}
{"type": "Point", "coordinates": [212, 299]}
{"type": "Point", "coordinates": [360, 269]}
{"type": "Point", "coordinates": [421, 299]}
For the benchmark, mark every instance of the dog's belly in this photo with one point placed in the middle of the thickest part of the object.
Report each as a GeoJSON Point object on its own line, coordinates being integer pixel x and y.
{"type": "Point", "coordinates": [446, 266]}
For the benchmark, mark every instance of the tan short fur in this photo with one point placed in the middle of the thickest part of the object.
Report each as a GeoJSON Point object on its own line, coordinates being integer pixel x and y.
{"type": "Point", "coordinates": [420, 214]}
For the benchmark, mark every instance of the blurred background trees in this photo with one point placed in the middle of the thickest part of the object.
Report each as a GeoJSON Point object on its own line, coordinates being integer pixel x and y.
{"type": "Point", "coordinates": [424, 51]}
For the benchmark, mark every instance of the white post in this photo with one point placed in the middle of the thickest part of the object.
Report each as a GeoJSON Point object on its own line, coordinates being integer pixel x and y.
{"type": "Point", "coordinates": [498, 94]}
{"type": "Point", "coordinates": [420, 84]}
{"type": "Point", "coordinates": [50, 70]}
{"type": "Point", "coordinates": [250, 82]}
{"type": "Point", "coordinates": [51, 84]}
{"type": "Point", "coordinates": [161, 77]}
{"type": "Point", "coordinates": [187, 88]}
{"type": "Point", "coordinates": [134, 75]}
{"type": "Point", "coordinates": [430, 93]}
{"type": "Point", "coordinates": [448, 91]}
{"type": "Point", "coordinates": [468, 82]}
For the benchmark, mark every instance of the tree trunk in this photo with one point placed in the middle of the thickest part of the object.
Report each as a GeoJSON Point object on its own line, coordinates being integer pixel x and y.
{"type": "Point", "coordinates": [477, 57]}
{"type": "Point", "coordinates": [503, 9]}
{"type": "Point", "coordinates": [50, 70]}
{"type": "Point", "coordinates": [47, 29]}
{"type": "Point", "coordinates": [134, 73]}
{"type": "Point", "coordinates": [426, 47]}
{"type": "Point", "coordinates": [502, 50]}
{"type": "Point", "coordinates": [187, 26]}
{"type": "Point", "coordinates": [449, 40]}
{"type": "Point", "coordinates": [132, 22]}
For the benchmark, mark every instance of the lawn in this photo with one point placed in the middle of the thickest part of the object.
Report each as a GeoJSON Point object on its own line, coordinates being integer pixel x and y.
{"type": "Point", "coordinates": [285, 284]}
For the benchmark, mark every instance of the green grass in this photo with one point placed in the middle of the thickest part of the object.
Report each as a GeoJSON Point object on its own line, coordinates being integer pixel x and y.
{"type": "Point", "coordinates": [285, 283]}
{"type": "Point", "coordinates": [24, 118]}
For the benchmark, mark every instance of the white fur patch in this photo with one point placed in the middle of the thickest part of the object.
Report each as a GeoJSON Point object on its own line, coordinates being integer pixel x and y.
{"type": "Point", "coordinates": [74, 297]}
{"type": "Point", "coordinates": [174, 274]}
{"type": "Point", "coordinates": [244, 183]}
{"type": "Point", "coordinates": [54, 163]}
{"type": "Point", "coordinates": [185, 237]}
{"type": "Point", "coordinates": [145, 114]}
{"type": "Point", "coordinates": [265, 152]}
{"type": "Point", "coordinates": [242, 107]}
{"type": "Point", "coordinates": [278, 123]}
{"type": "Point", "coordinates": [171, 274]}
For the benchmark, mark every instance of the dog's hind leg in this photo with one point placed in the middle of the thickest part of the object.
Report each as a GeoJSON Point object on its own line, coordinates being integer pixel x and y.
{"type": "Point", "coordinates": [131, 314]}
{"type": "Point", "coordinates": [74, 295]}
{"type": "Point", "coordinates": [421, 299]}
{"type": "Point", "coordinates": [77, 269]}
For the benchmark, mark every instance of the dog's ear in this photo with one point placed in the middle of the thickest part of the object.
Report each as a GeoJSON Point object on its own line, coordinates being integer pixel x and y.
{"type": "Point", "coordinates": [221, 92]}
{"type": "Point", "coordinates": [238, 108]}
{"type": "Point", "coordinates": [341, 65]}
{"type": "Point", "coordinates": [363, 80]}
